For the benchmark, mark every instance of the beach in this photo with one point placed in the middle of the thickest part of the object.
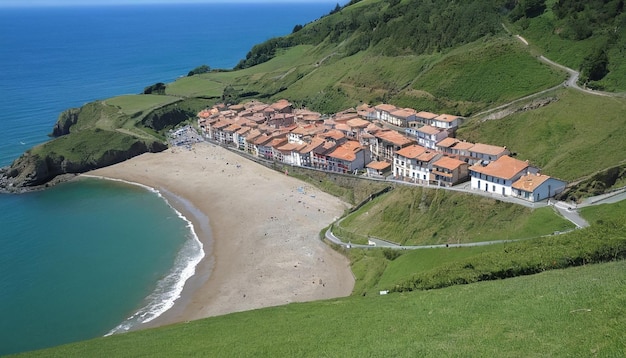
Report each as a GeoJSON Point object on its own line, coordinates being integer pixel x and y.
{"type": "Point", "coordinates": [259, 228]}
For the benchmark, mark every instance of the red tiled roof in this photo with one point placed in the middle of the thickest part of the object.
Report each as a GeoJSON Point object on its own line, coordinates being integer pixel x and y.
{"type": "Point", "coordinates": [429, 130]}
{"type": "Point", "coordinates": [403, 113]}
{"type": "Point", "coordinates": [449, 163]}
{"type": "Point", "coordinates": [412, 151]}
{"type": "Point", "coordinates": [379, 165]}
{"type": "Point", "coordinates": [447, 142]}
{"type": "Point", "coordinates": [504, 167]}
{"type": "Point", "coordinates": [530, 182]}
{"type": "Point", "coordinates": [346, 151]}
{"type": "Point", "coordinates": [394, 137]}
{"type": "Point", "coordinates": [446, 118]}
{"type": "Point", "coordinates": [488, 149]}
{"type": "Point", "coordinates": [386, 107]}
{"type": "Point", "coordinates": [426, 115]}
{"type": "Point", "coordinates": [358, 123]}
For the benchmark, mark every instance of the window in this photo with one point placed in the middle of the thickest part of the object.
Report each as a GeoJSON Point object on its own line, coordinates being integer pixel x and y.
{"type": "Point", "coordinates": [493, 188]}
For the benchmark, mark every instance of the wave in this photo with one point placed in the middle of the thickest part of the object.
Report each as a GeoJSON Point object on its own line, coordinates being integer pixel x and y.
{"type": "Point", "coordinates": [169, 288]}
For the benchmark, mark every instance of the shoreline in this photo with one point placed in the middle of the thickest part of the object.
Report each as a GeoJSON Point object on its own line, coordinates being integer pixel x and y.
{"type": "Point", "coordinates": [259, 230]}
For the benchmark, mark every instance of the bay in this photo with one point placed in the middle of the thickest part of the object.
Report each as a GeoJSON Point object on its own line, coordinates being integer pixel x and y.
{"type": "Point", "coordinates": [78, 259]}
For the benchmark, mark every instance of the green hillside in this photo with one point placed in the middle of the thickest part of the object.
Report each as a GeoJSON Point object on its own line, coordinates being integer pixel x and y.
{"type": "Point", "coordinates": [421, 216]}
{"type": "Point", "coordinates": [574, 312]}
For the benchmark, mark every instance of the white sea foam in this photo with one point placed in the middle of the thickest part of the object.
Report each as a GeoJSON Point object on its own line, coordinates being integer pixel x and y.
{"type": "Point", "coordinates": [169, 288]}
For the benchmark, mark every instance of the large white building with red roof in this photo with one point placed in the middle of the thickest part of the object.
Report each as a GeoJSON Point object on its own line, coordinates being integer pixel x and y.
{"type": "Point", "coordinates": [497, 177]}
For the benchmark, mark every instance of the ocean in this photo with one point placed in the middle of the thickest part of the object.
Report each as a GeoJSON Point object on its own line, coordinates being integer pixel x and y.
{"type": "Point", "coordinates": [92, 257]}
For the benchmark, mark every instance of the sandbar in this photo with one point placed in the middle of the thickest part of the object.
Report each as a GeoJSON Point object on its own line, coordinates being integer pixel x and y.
{"type": "Point", "coordinates": [260, 231]}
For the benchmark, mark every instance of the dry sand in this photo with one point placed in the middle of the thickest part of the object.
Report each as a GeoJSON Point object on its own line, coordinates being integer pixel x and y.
{"type": "Point", "coordinates": [260, 231]}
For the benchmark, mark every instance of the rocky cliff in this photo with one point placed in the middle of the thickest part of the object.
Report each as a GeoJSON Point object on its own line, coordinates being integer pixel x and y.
{"type": "Point", "coordinates": [33, 171]}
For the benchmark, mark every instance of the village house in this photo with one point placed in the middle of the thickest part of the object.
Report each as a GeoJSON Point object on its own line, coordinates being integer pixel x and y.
{"type": "Point", "coordinates": [425, 117]}
{"type": "Point", "coordinates": [498, 176]}
{"type": "Point", "coordinates": [447, 122]}
{"type": "Point", "coordinates": [378, 169]}
{"type": "Point", "coordinates": [536, 187]}
{"type": "Point", "coordinates": [384, 143]}
{"type": "Point", "coordinates": [414, 163]}
{"type": "Point", "coordinates": [486, 152]}
{"type": "Point", "coordinates": [347, 157]}
{"type": "Point", "coordinates": [427, 136]}
{"type": "Point", "coordinates": [450, 171]}
{"type": "Point", "coordinates": [382, 112]}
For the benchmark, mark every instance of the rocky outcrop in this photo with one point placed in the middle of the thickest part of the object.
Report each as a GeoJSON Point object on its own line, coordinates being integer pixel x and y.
{"type": "Point", "coordinates": [66, 120]}
{"type": "Point", "coordinates": [31, 171]}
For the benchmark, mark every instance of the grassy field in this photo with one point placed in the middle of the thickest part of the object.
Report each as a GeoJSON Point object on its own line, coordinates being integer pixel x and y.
{"type": "Point", "coordinates": [487, 73]}
{"type": "Point", "coordinates": [421, 216]}
{"type": "Point", "coordinates": [574, 312]}
{"type": "Point", "coordinates": [573, 137]}
{"type": "Point", "coordinates": [133, 104]}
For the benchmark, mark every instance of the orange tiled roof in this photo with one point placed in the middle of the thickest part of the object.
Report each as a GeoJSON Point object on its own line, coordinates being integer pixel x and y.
{"type": "Point", "coordinates": [446, 118]}
{"type": "Point", "coordinates": [488, 149]}
{"type": "Point", "coordinates": [358, 123]}
{"type": "Point", "coordinates": [427, 115]}
{"type": "Point", "coordinates": [449, 163]}
{"type": "Point", "coordinates": [334, 134]}
{"type": "Point", "coordinates": [429, 130]}
{"type": "Point", "coordinates": [412, 151]}
{"type": "Point", "coordinates": [386, 107]}
{"type": "Point", "coordinates": [427, 156]}
{"type": "Point", "coordinates": [379, 165]}
{"type": "Point", "coordinates": [346, 151]}
{"type": "Point", "coordinates": [447, 142]}
{"type": "Point", "coordinates": [504, 167]}
{"type": "Point", "coordinates": [394, 137]}
{"type": "Point", "coordinates": [530, 182]}
{"type": "Point", "coordinates": [403, 113]}
{"type": "Point", "coordinates": [463, 146]}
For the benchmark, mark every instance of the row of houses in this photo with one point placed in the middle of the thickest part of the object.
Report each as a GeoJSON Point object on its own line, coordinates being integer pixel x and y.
{"type": "Point", "coordinates": [357, 139]}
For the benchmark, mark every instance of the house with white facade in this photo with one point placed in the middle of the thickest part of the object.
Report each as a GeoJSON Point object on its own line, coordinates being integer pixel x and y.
{"type": "Point", "coordinates": [486, 153]}
{"type": "Point", "coordinates": [536, 187]}
{"type": "Point", "coordinates": [447, 121]}
{"type": "Point", "coordinates": [427, 136]}
{"type": "Point", "coordinates": [414, 163]}
{"type": "Point", "coordinates": [347, 157]}
{"type": "Point", "coordinates": [384, 143]}
{"type": "Point", "coordinates": [425, 117]}
{"type": "Point", "coordinates": [498, 176]}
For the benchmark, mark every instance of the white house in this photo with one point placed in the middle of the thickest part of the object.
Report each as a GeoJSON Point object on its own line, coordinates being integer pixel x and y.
{"type": "Point", "coordinates": [498, 176]}
{"type": "Point", "coordinates": [427, 136]}
{"type": "Point", "coordinates": [536, 187]}
{"type": "Point", "coordinates": [414, 163]}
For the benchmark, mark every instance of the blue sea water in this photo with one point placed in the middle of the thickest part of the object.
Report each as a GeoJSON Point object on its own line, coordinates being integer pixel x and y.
{"type": "Point", "coordinates": [79, 259]}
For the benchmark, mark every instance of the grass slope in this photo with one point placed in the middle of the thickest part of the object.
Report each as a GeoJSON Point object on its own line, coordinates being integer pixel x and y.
{"type": "Point", "coordinates": [575, 136]}
{"type": "Point", "coordinates": [422, 216]}
{"type": "Point", "coordinates": [573, 312]}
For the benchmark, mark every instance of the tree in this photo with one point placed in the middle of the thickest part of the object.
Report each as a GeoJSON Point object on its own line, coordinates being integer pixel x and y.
{"type": "Point", "coordinates": [198, 70]}
{"type": "Point", "coordinates": [595, 65]}
{"type": "Point", "coordinates": [157, 88]}
{"type": "Point", "coordinates": [296, 28]}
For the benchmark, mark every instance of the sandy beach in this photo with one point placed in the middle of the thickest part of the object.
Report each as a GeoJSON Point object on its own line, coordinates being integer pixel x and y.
{"type": "Point", "coordinates": [260, 231]}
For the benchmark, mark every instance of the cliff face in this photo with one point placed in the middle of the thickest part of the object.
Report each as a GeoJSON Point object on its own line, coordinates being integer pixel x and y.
{"type": "Point", "coordinates": [66, 120]}
{"type": "Point", "coordinates": [31, 171]}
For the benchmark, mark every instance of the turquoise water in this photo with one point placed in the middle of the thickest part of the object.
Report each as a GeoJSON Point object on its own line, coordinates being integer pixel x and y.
{"type": "Point", "coordinates": [77, 261]}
